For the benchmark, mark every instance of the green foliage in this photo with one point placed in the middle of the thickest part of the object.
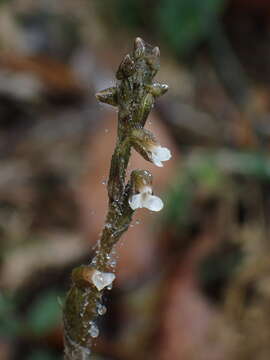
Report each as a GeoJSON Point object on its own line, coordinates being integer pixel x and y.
{"type": "Point", "coordinates": [216, 270]}
{"type": "Point", "coordinates": [179, 201]}
{"type": "Point", "coordinates": [198, 174]}
{"type": "Point", "coordinates": [185, 23]}
{"type": "Point", "coordinates": [42, 355]}
{"type": "Point", "coordinates": [129, 13]}
{"type": "Point", "coordinates": [249, 164]}
{"type": "Point", "coordinates": [207, 172]}
{"type": "Point", "coordinates": [45, 314]}
{"type": "Point", "coordinates": [9, 323]}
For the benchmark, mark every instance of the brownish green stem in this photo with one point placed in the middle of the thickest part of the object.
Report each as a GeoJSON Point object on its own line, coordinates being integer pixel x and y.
{"type": "Point", "coordinates": [134, 96]}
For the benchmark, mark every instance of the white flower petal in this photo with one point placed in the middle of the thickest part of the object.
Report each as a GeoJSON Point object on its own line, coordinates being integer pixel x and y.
{"type": "Point", "coordinates": [159, 154]}
{"type": "Point", "coordinates": [145, 199]}
{"type": "Point", "coordinates": [163, 153]}
{"type": "Point", "coordinates": [102, 279]}
{"type": "Point", "coordinates": [153, 203]}
{"type": "Point", "coordinates": [156, 160]}
{"type": "Point", "coordinates": [135, 202]}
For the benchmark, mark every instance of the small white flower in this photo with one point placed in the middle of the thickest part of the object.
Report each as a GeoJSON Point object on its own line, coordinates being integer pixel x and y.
{"type": "Point", "coordinates": [159, 154]}
{"type": "Point", "coordinates": [145, 199]}
{"type": "Point", "coordinates": [146, 144]}
{"type": "Point", "coordinates": [102, 279]}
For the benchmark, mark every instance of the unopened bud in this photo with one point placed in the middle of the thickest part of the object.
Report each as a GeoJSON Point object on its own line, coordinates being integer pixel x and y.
{"type": "Point", "coordinates": [158, 89]}
{"type": "Point", "coordinates": [156, 51]}
{"type": "Point", "coordinates": [139, 48]}
{"type": "Point", "coordinates": [126, 68]}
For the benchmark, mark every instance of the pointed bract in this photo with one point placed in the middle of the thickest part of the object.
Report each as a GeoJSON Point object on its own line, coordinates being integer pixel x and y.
{"type": "Point", "coordinates": [139, 48]}
{"type": "Point", "coordinates": [126, 68]}
{"type": "Point", "coordinates": [108, 96]}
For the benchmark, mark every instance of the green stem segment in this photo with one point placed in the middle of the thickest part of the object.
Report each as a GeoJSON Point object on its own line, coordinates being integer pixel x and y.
{"type": "Point", "coordinates": [134, 96]}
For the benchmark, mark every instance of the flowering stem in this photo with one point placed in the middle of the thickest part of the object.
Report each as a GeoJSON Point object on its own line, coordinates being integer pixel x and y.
{"type": "Point", "coordinates": [134, 95]}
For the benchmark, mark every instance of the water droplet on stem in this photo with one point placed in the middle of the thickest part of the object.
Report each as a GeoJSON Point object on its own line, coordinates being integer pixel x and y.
{"type": "Point", "coordinates": [101, 309]}
{"type": "Point", "coordinates": [93, 331]}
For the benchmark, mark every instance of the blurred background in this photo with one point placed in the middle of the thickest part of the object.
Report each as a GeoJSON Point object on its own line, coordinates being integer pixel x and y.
{"type": "Point", "coordinates": [193, 282]}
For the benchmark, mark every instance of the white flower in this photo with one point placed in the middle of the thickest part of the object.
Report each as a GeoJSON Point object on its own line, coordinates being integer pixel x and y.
{"type": "Point", "coordinates": [146, 144]}
{"type": "Point", "coordinates": [159, 154]}
{"type": "Point", "coordinates": [145, 199]}
{"type": "Point", "coordinates": [102, 279]}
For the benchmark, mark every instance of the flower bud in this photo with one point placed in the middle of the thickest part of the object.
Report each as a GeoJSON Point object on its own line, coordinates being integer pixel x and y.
{"type": "Point", "coordinates": [126, 68]}
{"type": "Point", "coordinates": [153, 59]}
{"type": "Point", "coordinates": [156, 51]}
{"type": "Point", "coordinates": [139, 48]}
{"type": "Point", "coordinates": [81, 275]}
{"type": "Point", "coordinates": [157, 89]}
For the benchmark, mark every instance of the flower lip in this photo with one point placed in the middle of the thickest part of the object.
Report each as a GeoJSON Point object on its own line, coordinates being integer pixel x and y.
{"type": "Point", "coordinates": [145, 199]}
{"type": "Point", "coordinates": [159, 154]}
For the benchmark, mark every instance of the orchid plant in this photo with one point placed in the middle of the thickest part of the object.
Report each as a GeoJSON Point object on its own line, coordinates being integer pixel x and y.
{"type": "Point", "coordinates": [134, 95]}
